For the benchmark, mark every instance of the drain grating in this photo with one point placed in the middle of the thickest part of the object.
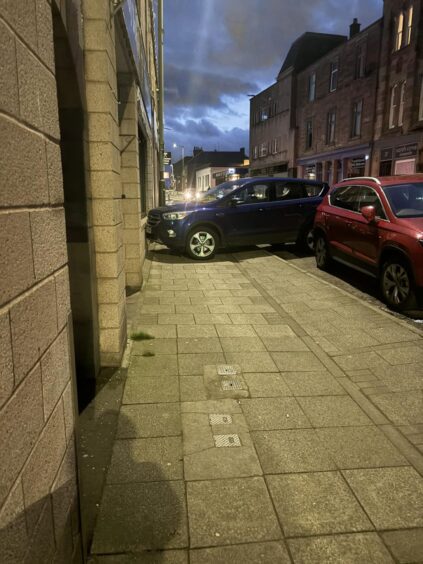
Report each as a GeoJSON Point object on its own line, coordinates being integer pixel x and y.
{"type": "Point", "coordinates": [226, 370]}
{"type": "Point", "coordinates": [220, 419]}
{"type": "Point", "coordinates": [226, 441]}
{"type": "Point", "coordinates": [231, 385]}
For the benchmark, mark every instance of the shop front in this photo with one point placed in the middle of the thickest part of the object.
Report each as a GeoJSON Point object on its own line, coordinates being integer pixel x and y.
{"type": "Point", "coordinates": [333, 167]}
{"type": "Point", "coordinates": [401, 159]}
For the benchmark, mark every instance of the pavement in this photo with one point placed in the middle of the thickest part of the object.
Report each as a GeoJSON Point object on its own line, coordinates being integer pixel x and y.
{"type": "Point", "coordinates": [274, 418]}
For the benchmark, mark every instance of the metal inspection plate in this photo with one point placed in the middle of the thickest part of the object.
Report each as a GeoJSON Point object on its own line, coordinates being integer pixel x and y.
{"type": "Point", "coordinates": [226, 441]}
{"type": "Point", "coordinates": [226, 370]}
{"type": "Point", "coordinates": [220, 419]}
{"type": "Point", "coordinates": [231, 385]}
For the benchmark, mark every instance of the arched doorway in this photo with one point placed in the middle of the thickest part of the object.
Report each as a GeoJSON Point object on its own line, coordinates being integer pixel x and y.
{"type": "Point", "coordinates": [78, 232]}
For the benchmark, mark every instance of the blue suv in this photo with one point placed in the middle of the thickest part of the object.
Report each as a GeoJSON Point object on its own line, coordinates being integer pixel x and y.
{"type": "Point", "coordinates": [250, 211]}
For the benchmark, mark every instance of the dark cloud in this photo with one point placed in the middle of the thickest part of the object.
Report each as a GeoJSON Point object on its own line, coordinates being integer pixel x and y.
{"type": "Point", "coordinates": [186, 87]}
{"type": "Point", "coordinates": [205, 134]}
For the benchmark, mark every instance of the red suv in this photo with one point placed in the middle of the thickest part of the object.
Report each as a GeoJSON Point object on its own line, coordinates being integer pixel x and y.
{"type": "Point", "coordinates": [376, 226]}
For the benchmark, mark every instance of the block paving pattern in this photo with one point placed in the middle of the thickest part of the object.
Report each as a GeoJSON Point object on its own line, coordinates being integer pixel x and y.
{"type": "Point", "coordinates": [330, 423]}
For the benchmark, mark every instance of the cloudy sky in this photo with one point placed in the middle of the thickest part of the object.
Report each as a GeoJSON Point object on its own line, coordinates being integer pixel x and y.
{"type": "Point", "coordinates": [217, 52]}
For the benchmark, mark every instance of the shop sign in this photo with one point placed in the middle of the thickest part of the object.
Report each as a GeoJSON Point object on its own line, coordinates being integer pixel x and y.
{"type": "Point", "coordinates": [386, 154]}
{"type": "Point", "coordinates": [358, 163]}
{"type": "Point", "coordinates": [130, 17]}
{"type": "Point", "coordinates": [404, 151]}
{"type": "Point", "coordinates": [167, 157]}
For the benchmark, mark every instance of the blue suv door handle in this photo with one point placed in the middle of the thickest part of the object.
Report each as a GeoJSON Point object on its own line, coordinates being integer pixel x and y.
{"type": "Point", "coordinates": [220, 214]}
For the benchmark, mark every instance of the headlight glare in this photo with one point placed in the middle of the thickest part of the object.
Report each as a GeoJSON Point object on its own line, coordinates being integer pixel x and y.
{"type": "Point", "coordinates": [176, 216]}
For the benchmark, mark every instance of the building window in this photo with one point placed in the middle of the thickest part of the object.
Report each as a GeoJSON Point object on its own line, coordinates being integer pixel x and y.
{"type": "Point", "coordinates": [356, 118]}
{"type": "Point", "coordinates": [309, 134]}
{"type": "Point", "coordinates": [421, 99]}
{"type": "Point", "coordinates": [264, 114]}
{"type": "Point", "coordinates": [401, 104]}
{"type": "Point", "coordinates": [393, 106]}
{"type": "Point", "coordinates": [403, 28]}
{"type": "Point", "coordinates": [330, 127]}
{"type": "Point", "coordinates": [359, 71]}
{"type": "Point", "coordinates": [333, 79]}
{"type": "Point", "coordinates": [263, 150]}
{"type": "Point", "coordinates": [312, 87]}
{"type": "Point", "coordinates": [255, 151]}
{"type": "Point", "coordinates": [396, 108]}
{"type": "Point", "coordinates": [399, 31]}
{"type": "Point", "coordinates": [409, 25]}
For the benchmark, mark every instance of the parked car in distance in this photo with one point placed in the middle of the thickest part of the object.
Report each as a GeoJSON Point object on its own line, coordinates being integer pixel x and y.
{"type": "Point", "coordinates": [375, 225]}
{"type": "Point", "coordinates": [249, 211]}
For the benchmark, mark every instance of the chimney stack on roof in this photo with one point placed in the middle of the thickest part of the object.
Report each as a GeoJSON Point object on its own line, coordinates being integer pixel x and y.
{"type": "Point", "coordinates": [354, 28]}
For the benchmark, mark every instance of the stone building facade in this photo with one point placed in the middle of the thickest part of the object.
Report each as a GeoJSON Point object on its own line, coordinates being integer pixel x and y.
{"type": "Point", "coordinates": [335, 122]}
{"type": "Point", "coordinates": [355, 109]}
{"type": "Point", "coordinates": [78, 171]}
{"type": "Point", "coordinates": [273, 111]}
{"type": "Point", "coordinates": [398, 135]}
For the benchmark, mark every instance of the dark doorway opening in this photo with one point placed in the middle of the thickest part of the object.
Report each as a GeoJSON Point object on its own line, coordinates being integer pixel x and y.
{"type": "Point", "coordinates": [82, 285]}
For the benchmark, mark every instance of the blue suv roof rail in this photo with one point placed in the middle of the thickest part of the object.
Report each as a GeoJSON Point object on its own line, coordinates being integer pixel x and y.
{"type": "Point", "coordinates": [361, 178]}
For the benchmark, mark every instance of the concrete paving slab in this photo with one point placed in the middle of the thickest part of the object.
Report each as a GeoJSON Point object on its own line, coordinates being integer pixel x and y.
{"type": "Point", "coordinates": [297, 361]}
{"type": "Point", "coordinates": [146, 460]}
{"type": "Point", "coordinates": [316, 503]}
{"type": "Point", "coordinates": [279, 330]}
{"type": "Point", "coordinates": [158, 331]}
{"type": "Point", "coordinates": [196, 331]}
{"type": "Point", "coordinates": [192, 388]}
{"type": "Point", "coordinates": [230, 511]}
{"type": "Point", "coordinates": [357, 548]}
{"type": "Point", "coordinates": [211, 318]}
{"type": "Point", "coordinates": [235, 331]}
{"type": "Point", "coordinates": [402, 408]}
{"type": "Point", "coordinates": [176, 319]}
{"type": "Point", "coordinates": [213, 463]}
{"type": "Point", "coordinates": [155, 389]}
{"type": "Point", "coordinates": [248, 319]}
{"type": "Point", "coordinates": [332, 411]}
{"type": "Point", "coordinates": [406, 546]}
{"type": "Point", "coordinates": [254, 553]}
{"type": "Point", "coordinates": [312, 384]}
{"type": "Point", "coordinates": [162, 365]}
{"type": "Point", "coordinates": [135, 517]}
{"type": "Point", "coordinates": [154, 346]}
{"type": "Point", "coordinates": [199, 345]}
{"type": "Point", "coordinates": [144, 557]}
{"type": "Point", "coordinates": [252, 362]}
{"type": "Point", "coordinates": [402, 378]}
{"type": "Point", "coordinates": [403, 354]}
{"type": "Point", "coordinates": [360, 447]}
{"type": "Point", "coordinates": [267, 384]}
{"type": "Point", "coordinates": [274, 413]}
{"type": "Point", "coordinates": [296, 450]}
{"type": "Point", "coordinates": [284, 344]}
{"type": "Point", "coordinates": [149, 420]}
{"type": "Point", "coordinates": [194, 363]}
{"type": "Point", "coordinates": [392, 497]}
{"type": "Point", "coordinates": [360, 361]}
{"type": "Point", "coordinates": [197, 308]}
{"type": "Point", "coordinates": [242, 344]}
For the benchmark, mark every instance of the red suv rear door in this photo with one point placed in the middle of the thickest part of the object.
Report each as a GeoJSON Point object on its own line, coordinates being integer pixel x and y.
{"type": "Point", "coordinates": [365, 239]}
{"type": "Point", "coordinates": [342, 212]}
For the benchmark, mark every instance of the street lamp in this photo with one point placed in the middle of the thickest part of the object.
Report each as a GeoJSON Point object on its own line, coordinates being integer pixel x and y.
{"type": "Point", "coordinates": [183, 164]}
